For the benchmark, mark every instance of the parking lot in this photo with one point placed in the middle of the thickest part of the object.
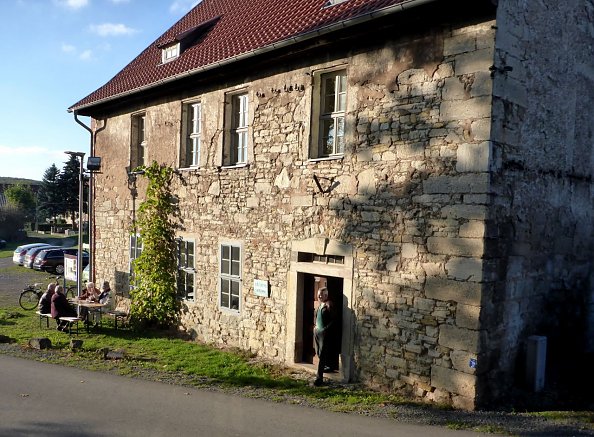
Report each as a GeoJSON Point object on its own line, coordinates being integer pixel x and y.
{"type": "Point", "coordinates": [14, 278]}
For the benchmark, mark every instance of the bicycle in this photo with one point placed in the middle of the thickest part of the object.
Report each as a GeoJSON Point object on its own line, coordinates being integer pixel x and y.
{"type": "Point", "coordinates": [29, 298]}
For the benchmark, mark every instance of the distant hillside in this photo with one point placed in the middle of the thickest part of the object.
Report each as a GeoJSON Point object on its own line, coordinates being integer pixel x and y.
{"type": "Point", "coordinates": [15, 181]}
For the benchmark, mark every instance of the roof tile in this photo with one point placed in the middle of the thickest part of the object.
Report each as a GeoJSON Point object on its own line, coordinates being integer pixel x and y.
{"type": "Point", "coordinates": [244, 26]}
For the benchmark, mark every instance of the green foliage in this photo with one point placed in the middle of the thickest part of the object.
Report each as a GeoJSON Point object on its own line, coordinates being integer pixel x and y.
{"type": "Point", "coordinates": [11, 221]}
{"type": "Point", "coordinates": [50, 196]}
{"type": "Point", "coordinates": [21, 197]}
{"type": "Point", "coordinates": [154, 300]}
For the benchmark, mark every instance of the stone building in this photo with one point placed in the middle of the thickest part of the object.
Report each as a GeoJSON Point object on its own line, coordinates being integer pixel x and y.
{"type": "Point", "coordinates": [429, 161]}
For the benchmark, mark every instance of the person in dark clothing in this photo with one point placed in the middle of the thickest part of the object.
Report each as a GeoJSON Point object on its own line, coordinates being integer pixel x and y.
{"type": "Point", "coordinates": [61, 308]}
{"type": "Point", "coordinates": [45, 303]}
{"type": "Point", "coordinates": [323, 323]}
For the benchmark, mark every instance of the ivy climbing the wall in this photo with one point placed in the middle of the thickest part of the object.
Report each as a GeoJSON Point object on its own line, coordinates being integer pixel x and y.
{"type": "Point", "coordinates": [153, 298]}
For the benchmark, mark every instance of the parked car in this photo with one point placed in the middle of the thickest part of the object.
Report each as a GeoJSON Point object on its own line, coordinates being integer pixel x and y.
{"type": "Point", "coordinates": [32, 253]}
{"type": "Point", "coordinates": [18, 256]}
{"type": "Point", "coordinates": [2, 243]}
{"type": "Point", "coordinates": [52, 260]}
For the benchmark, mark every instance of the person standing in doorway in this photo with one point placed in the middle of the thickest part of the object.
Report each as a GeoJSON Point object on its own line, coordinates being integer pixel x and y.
{"type": "Point", "coordinates": [323, 322]}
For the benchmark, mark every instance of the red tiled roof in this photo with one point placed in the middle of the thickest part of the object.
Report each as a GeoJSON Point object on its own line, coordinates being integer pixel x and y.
{"type": "Point", "coordinates": [244, 26]}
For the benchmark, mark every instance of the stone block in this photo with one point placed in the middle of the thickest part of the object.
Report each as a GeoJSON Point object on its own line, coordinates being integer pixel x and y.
{"type": "Point", "coordinates": [480, 130]}
{"type": "Point", "coordinates": [467, 316]}
{"type": "Point", "coordinates": [473, 108]}
{"type": "Point", "coordinates": [473, 157]}
{"type": "Point", "coordinates": [473, 62]}
{"type": "Point", "coordinates": [463, 403]}
{"type": "Point", "coordinates": [409, 250]}
{"type": "Point", "coordinates": [465, 269]}
{"type": "Point", "coordinates": [367, 181]}
{"type": "Point", "coordinates": [472, 229]}
{"type": "Point", "coordinates": [458, 338]}
{"type": "Point", "coordinates": [466, 183]}
{"type": "Point", "coordinates": [458, 44]}
{"type": "Point", "coordinates": [455, 246]}
{"type": "Point", "coordinates": [75, 344]}
{"type": "Point", "coordinates": [457, 291]}
{"type": "Point", "coordinates": [461, 361]}
{"type": "Point", "coordinates": [453, 381]}
{"type": "Point", "coordinates": [297, 201]}
{"type": "Point", "coordinates": [40, 343]}
{"type": "Point", "coordinates": [453, 89]}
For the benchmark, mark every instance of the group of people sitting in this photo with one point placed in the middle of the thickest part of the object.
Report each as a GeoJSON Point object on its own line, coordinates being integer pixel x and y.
{"type": "Point", "coordinates": [54, 302]}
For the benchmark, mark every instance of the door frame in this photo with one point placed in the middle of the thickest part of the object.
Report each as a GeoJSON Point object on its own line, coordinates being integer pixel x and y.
{"type": "Point", "coordinates": [320, 246]}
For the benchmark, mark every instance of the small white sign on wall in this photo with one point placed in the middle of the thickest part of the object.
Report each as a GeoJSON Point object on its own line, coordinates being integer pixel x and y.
{"type": "Point", "coordinates": [261, 288]}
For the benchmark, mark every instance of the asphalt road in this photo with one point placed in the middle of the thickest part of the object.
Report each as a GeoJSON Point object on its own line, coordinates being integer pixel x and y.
{"type": "Point", "coordinates": [44, 399]}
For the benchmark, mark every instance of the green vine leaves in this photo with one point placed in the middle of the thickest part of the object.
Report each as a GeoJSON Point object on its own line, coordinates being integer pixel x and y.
{"type": "Point", "coordinates": [153, 297]}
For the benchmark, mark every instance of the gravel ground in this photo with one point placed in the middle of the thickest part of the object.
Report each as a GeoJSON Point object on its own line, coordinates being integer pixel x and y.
{"type": "Point", "coordinates": [12, 281]}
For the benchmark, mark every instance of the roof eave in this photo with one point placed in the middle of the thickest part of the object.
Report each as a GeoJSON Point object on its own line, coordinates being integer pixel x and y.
{"type": "Point", "coordinates": [407, 4]}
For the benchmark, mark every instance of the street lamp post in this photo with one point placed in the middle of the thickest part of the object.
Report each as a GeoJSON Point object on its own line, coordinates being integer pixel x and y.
{"type": "Point", "coordinates": [79, 255]}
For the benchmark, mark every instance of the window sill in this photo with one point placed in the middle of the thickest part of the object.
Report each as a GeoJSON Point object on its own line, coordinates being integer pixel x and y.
{"type": "Point", "coordinates": [229, 312]}
{"type": "Point", "coordinates": [326, 158]}
{"type": "Point", "coordinates": [188, 169]}
{"type": "Point", "coordinates": [242, 165]}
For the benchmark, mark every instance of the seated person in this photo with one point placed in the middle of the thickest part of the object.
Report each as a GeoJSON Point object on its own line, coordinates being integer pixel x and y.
{"type": "Point", "coordinates": [45, 303]}
{"type": "Point", "coordinates": [91, 293]}
{"type": "Point", "coordinates": [60, 307]}
{"type": "Point", "coordinates": [105, 292]}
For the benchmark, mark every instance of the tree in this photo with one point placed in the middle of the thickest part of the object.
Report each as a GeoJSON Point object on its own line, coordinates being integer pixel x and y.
{"type": "Point", "coordinates": [50, 196]}
{"type": "Point", "coordinates": [153, 299]}
{"type": "Point", "coordinates": [68, 185]}
{"type": "Point", "coordinates": [21, 197]}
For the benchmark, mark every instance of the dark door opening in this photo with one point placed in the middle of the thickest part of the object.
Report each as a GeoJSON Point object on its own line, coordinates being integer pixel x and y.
{"type": "Point", "coordinates": [311, 285]}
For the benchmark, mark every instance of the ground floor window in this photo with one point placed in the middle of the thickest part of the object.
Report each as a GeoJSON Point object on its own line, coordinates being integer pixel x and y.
{"type": "Point", "coordinates": [230, 276]}
{"type": "Point", "coordinates": [185, 269]}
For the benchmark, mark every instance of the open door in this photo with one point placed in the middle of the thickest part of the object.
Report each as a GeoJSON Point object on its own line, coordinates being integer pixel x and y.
{"type": "Point", "coordinates": [311, 285]}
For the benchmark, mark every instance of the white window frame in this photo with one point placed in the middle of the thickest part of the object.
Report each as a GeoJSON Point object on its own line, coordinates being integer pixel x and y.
{"type": "Point", "coordinates": [321, 117]}
{"type": "Point", "coordinates": [191, 150]}
{"type": "Point", "coordinates": [237, 134]}
{"type": "Point", "coordinates": [170, 52]}
{"type": "Point", "coordinates": [134, 252]}
{"type": "Point", "coordinates": [185, 270]}
{"type": "Point", "coordinates": [230, 276]}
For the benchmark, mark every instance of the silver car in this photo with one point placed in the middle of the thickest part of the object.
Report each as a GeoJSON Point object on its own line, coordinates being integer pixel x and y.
{"type": "Point", "coordinates": [18, 256]}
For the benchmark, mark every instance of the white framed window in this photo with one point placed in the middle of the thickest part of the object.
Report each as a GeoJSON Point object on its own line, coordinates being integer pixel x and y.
{"type": "Point", "coordinates": [135, 252]}
{"type": "Point", "coordinates": [185, 269]}
{"type": "Point", "coordinates": [237, 137]}
{"type": "Point", "coordinates": [139, 143]}
{"type": "Point", "coordinates": [329, 112]}
{"type": "Point", "coordinates": [192, 135]}
{"type": "Point", "coordinates": [230, 276]}
{"type": "Point", "coordinates": [170, 52]}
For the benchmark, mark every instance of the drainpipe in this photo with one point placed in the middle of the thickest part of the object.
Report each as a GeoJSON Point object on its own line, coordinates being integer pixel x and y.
{"type": "Point", "coordinates": [90, 206]}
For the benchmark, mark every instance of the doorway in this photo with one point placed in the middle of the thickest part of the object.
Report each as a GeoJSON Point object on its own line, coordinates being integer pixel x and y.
{"type": "Point", "coordinates": [311, 285]}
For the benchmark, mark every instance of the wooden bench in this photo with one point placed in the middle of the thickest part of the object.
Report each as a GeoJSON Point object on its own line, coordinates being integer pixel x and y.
{"type": "Point", "coordinates": [71, 321]}
{"type": "Point", "coordinates": [46, 316]}
{"type": "Point", "coordinates": [117, 315]}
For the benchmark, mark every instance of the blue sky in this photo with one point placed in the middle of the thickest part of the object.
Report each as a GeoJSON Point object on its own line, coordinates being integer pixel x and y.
{"type": "Point", "coordinates": [55, 52]}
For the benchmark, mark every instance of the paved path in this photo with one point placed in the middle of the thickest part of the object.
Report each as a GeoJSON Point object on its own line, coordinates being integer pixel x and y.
{"type": "Point", "coordinates": [44, 399]}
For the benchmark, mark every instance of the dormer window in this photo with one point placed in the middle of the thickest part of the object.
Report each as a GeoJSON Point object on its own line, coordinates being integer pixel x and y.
{"type": "Point", "coordinates": [173, 46]}
{"type": "Point", "coordinates": [170, 52]}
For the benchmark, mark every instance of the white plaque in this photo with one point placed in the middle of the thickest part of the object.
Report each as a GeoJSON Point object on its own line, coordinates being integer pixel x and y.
{"type": "Point", "coordinates": [261, 288]}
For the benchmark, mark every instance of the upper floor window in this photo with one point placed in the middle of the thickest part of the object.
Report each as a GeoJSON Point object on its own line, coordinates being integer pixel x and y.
{"type": "Point", "coordinates": [191, 131]}
{"type": "Point", "coordinates": [230, 276]}
{"type": "Point", "coordinates": [329, 114]}
{"type": "Point", "coordinates": [170, 52]}
{"type": "Point", "coordinates": [138, 146]}
{"type": "Point", "coordinates": [235, 146]}
{"type": "Point", "coordinates": [185, 269]}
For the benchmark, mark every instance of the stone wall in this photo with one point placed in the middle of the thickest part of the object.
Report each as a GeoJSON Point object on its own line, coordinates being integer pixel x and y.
{"type": "Point", "coordinates": [540, 229]}
{"type": "Point", "coordinates": [410, 195]}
